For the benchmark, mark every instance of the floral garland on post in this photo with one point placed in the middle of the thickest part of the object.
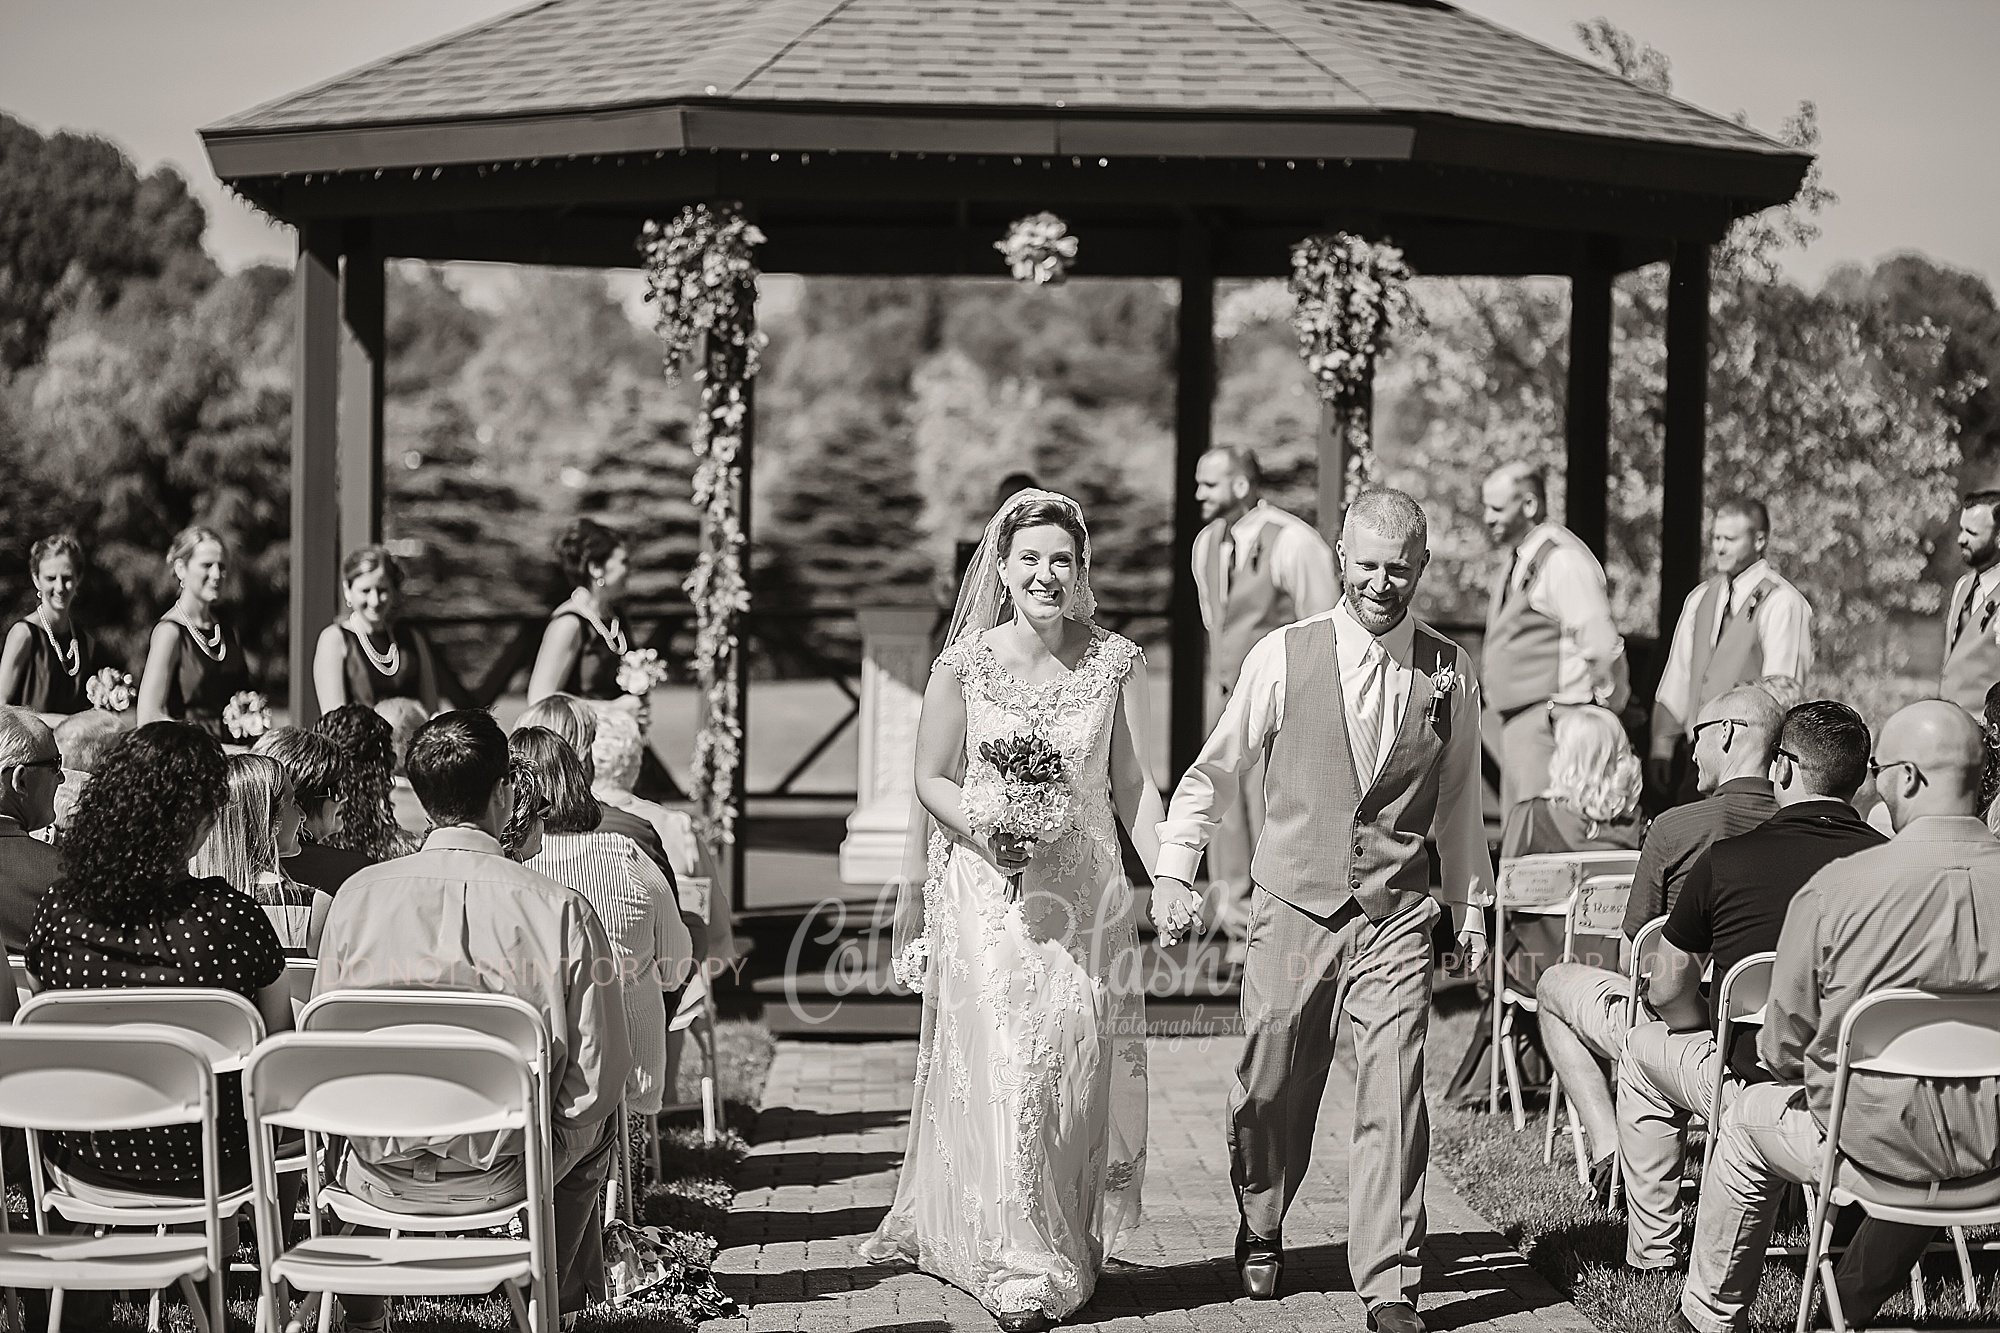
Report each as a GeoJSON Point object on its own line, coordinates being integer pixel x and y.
{"type": "Point", "coordinates": [702, 280]}
{"type": "Point", "coordinates": [1038, 248]}
{"type": "Point", "coordinates": [1349, 296]}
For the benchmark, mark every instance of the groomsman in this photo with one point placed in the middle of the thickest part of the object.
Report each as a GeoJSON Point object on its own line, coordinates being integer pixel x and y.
{"type": "Point", "coordinates": [1745, 623]}
{"type": "Point", "coordinates": [1972, 615]}
{"type": "Point", "coordinates": [1256, 569]}
{"type": "Point", "coordinates": [1550, 639]}
{"type": "Point", "coordinates": [1368, 723]}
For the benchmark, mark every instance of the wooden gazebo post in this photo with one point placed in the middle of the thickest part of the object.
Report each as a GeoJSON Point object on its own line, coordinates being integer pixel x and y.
{"type": "Point", "coordinates": [1687, 428]}
{"type": "Point", "coordinates": [315, 593]}
{"type": "Point", "coordinates": [1194, 404]}
{"type": "Point", "coordinates": [1587, 414]}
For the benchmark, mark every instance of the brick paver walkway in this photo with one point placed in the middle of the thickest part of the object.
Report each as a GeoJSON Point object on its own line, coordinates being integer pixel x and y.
{"type": "Point", "coordinates": [824, 1170]}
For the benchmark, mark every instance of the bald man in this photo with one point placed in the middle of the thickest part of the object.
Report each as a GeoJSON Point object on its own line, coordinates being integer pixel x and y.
{"type": "Point", "coordinates": [1366, 725]}
{"type": "Point", "coordinates": [1920, 911]}
{"type": "Point", "coordinates": [1550, 639]}
{"type": "Point", "coordinates": [1256, 568]}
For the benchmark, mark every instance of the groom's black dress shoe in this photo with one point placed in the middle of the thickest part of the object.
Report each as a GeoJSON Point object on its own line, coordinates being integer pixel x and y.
{"type": "Point", "coordinates": [1260, 1263]}
{"type": "Point", "coordinates": [1024, 1321]}
{"type": "Point", "coordinates": [1395, 1317]}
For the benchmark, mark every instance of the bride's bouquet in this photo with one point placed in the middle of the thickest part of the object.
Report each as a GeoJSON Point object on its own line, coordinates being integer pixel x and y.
{"type": "Point", "coordinates": [1027, 796]}
{"type": "Point", "coordinates": [110, 690]}
{"type": "Point", "coordinates": [247, 715]}
{"type": "Point", "coordinates": [641, 671]}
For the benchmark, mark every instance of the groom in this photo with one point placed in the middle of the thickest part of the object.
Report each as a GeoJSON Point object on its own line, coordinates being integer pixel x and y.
{"type": "Point", "coordinates": [1369, 727]}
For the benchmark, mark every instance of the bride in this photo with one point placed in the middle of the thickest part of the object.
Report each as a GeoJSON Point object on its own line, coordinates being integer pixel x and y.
{"type": "Point", "coordinates": [1028, 1133]}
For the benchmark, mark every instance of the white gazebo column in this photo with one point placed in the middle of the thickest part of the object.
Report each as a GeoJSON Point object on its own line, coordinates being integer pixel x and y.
{"type": "Point", "coordinates": [896, 661]}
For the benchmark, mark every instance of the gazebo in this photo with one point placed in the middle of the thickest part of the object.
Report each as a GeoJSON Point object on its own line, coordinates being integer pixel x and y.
{"type": "Point", "coordinates": [1184, 139]}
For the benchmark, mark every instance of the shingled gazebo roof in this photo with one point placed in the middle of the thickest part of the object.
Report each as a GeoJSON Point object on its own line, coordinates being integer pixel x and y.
{"type": "Point", "coordinates": [1386, 115]}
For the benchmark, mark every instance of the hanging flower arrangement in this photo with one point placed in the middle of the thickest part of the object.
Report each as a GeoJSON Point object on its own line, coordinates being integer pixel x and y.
{"type": "Point", "coordinates": [702, 281]}
{"type": "Point", "coordinates": [1349, 296]}
{"type": "Point", "coordinates": [1038, 249]}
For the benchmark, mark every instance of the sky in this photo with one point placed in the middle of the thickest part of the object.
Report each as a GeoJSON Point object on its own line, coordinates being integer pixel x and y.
{"type": "Point", "coordinates": [1909, 108]}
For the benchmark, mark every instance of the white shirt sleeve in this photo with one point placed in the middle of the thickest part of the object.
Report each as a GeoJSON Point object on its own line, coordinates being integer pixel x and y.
{"type": "Point", "coordinates": [1214, 783]}
{"type": "Point", "coordinates": [1201, 557]}
{"type": "Point", "coordinates": [1465, 868]}
{"type": "Point", "coordinates": [1676, 691]}
{"type": "Point", "coordinates": [1784, 622]}
{"type": "Point", "coordinates": [1302, 566]}
{"type": "Point", "coordinates": [1571, 592]}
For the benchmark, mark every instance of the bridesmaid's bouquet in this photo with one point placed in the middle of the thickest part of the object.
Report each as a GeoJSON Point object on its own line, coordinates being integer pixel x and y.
{"type": "Point", "coordinates": [247, 715]}
{"type": "Point", "coordinates": [110, 690]}
{"type": "Point", "coordinates": [1028, 796]}
{"type": "Point", "coordinates": [641, 671]}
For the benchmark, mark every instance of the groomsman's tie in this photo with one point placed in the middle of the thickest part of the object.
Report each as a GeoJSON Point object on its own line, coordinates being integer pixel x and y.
{"type": "Point", "coordinates": [1965, 610]}
{"type": "Point", "coordinates": [1364, 730]}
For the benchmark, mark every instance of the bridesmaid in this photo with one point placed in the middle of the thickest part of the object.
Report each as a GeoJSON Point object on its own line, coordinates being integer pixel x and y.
{"type": "Point", "coordinates": [585, 643]}
{"type": "Point", "coordinates": [195, 664]}
{"type": "Point", "coordinates": [48, 659]}
{"type": "Point", "coordinates": [372, 655]}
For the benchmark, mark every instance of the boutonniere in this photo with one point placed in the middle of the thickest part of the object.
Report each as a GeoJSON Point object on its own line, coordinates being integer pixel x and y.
{"type": "Point", "coordinates": [1443, 681]}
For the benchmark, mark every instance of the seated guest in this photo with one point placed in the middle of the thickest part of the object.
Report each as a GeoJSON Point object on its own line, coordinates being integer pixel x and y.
{"type": "Point", "coordinates": [615, 757]}
{"type": "Point", "coordinates": [257, 828]}
{"type": "Point", "coordinates": [313, 764]}
{"type": "Point", "coordinates": [633, 899]}
{"type": "Point", "coordinates": [575, 720]}
{"type": "Point", "coordinates": [126, 912]}
{"type": "Point", "coordinates": [367, 766]}
{"type": "Point", "coordinates": [1989, 783]}
{"type": "Point", "coordinates": [459, 915]}
{"type": "Point", "coordinates": [31, 773]}
{"type": "Point", "coordinates": [84, 739]}
{"type": "Point", "coordinates": [404, 716]}
{"type": "Point", "coordinates": [1920, 911]}
{"type": "Point", "coordinates": [1733, 906]}
{"type": "Point", "coordinates": [1583, 1009]}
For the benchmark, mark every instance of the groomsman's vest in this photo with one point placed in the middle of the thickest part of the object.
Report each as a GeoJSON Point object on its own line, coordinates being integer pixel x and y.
{"type": "Point", "coordinates": [1518, 665]}
{"type": "Point", "coordinates": [1971, 659]}
{"type": "Point", "coordinates": [1737, 658]}
{"type": "Point", "coordinates": [1253, 607]}
{"type": "Point", "coordinates": [1328, 836]}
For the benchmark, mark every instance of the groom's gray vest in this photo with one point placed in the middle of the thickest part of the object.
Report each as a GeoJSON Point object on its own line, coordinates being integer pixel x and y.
{"type": "Point", "coordinates": [1326, 839]}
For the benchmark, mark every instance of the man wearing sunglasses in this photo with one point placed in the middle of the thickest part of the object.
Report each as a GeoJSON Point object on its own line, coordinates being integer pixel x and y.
{"type": "Point", "coordinates": [31, 771]}
{"type": "Point", "coordinates": [1922, 912]}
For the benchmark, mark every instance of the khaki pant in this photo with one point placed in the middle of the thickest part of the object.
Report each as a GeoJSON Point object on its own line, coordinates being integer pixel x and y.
{"type": "Point", "coordinates": [1302, 974]}
{"type": "Point", "coordinates": [1663, 1077]}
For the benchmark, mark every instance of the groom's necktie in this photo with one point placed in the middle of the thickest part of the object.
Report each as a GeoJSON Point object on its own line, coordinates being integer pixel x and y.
{"type": "Point", "coordinates": [1364, 722]}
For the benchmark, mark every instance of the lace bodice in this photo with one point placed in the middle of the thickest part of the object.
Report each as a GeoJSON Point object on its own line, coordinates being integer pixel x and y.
{"type": "Point", "coordinates": [1074, 712]}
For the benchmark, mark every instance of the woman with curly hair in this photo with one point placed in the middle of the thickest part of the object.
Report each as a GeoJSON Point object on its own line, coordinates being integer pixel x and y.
{"type": "Point", "coordinates": [48, 658]}
{"type": "Point", "coordinates": [367, 775]}
{"type": "Point", "coordinates": [258, 826]}
{"type": "Point", "coordinates": [126, 912]}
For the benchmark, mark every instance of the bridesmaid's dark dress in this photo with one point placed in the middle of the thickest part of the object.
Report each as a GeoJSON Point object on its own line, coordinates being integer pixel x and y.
{"type": "Point", "coordinates": [200, 687]}
{"type": "Point", "coordinates": [47, 686]}
{"type": "Point", "coordinates": [366, 685]}
{"type": "Point", "coordinates": [595, 675]}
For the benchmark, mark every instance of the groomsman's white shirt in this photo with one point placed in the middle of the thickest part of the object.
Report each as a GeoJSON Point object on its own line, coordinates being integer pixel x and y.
{"type": "Point", "coordinates": [1257, 709]}
{"type": "Point", "coordinates": [1300, 561]}
{"type": "Point", "coordinates": [1784, 630]}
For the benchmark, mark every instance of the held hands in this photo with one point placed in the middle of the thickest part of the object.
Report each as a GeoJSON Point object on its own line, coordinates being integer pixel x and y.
{"type": "Point", "coordinates": [1175, 909]}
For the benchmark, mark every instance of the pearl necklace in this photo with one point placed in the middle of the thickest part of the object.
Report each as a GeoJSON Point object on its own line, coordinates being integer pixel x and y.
{"type": "Point", "coordinates": [209, 640]}
{"type": "Point", "coordinates": [70, 661]}
{"type": "Point", "coordinates": [386, 664]}
{"type": "Point", "coordinates": [614, 637]}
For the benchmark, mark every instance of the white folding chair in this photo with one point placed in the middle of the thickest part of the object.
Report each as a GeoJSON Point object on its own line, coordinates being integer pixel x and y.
{"type": "Point", "coordinates": [300, 976]}
{"type": "Point", "coordinates": [1538, 885]}
{"type": "Point", "coordinates": [88, 1080]}
{"type": "Point", "coordinates": [23, 991]}
{"type": "Point", "coordinates": [1916, 1035]}
{"type": "Point", "coordinates": [409, 1085]}
{"type": "Point", "coordinates": [1739, 1002]}
{"type": "Point", "coordinates": [1596, 907]}
{"type": "Point", "coordinates": [696, 1018]}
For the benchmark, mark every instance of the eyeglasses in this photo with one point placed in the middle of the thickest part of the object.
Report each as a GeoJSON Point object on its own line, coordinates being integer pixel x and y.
{"type": "Point", "coordinates": [54, 764]}
{"type": "Point", "coordinates": [1782, 753]}
{"type": "Point", "coordinates": [1731, 722]}
{"type": "Point", "coordinates": [1876, 768]}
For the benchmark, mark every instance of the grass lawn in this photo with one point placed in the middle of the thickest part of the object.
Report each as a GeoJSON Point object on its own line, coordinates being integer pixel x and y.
{"type": "Point", "coordinates": [1581, 1248]}
{"type": "Point", "coordinates": [693, 1194]}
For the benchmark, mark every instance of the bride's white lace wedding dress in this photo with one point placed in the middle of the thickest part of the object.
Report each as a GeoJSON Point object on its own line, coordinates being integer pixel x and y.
{"type": "Point", "coordinates": [1028, 1134]}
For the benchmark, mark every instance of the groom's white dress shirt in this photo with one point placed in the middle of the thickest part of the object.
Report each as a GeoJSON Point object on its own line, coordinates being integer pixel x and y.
{"type": "Point", "coordinates": [1257, 709]}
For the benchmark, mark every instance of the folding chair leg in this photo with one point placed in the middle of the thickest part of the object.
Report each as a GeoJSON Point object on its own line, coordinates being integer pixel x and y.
{"type": "Point", "coordinates": [1555, 1109]}
{"type": "Point", "coordinates": [55, 1310]}
{"type": "Point", "coordinates": [193, 1295]}
{"type": "Point", "coordinates": [1514, 1082]}
{"type": "Point", "coordinates": [519, 1307]}
{"type": "Point", "coordinates": [1819, 1227]}
{"type": "Point", "coordinates": [1918, 1301]}
{"type": "Point", "coordinates": [653, 1138]}
{"type": "Point", "coordinates": [1965, 1269]}
{"type": "Point", "coordinates": [1577, 1143]}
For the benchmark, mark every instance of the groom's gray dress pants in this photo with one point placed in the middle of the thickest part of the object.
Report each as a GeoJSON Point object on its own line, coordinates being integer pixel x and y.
{"type": "Point", "coordinates": [1303, 973]}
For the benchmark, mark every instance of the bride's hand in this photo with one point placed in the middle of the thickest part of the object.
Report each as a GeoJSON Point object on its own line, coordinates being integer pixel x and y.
{"type": "Point", "coordinates": [1175, 908]}
{"type": "Point", "coordinates": [1008, 853]}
